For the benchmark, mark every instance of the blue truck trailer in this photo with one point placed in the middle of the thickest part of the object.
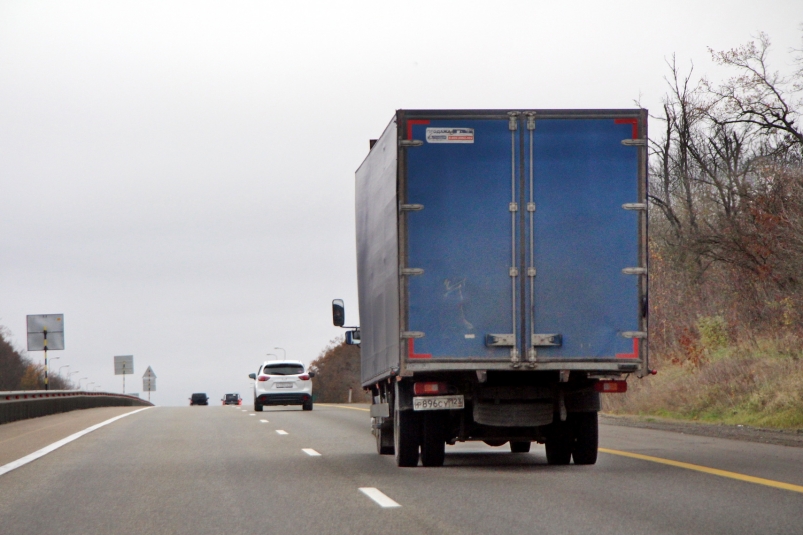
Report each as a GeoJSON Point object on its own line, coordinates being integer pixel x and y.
{"type": "Point", "coordinates": [502, 272]}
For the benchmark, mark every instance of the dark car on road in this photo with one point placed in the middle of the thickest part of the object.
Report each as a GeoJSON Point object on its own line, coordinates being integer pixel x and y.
{"type": "Point", "coordinates": [199, 399]}
{"type": "Point", "coordinates": [232, 399]}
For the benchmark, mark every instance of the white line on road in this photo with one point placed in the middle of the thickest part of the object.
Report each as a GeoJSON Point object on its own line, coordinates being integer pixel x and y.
{"type": "Point", "coordinates": [281, 432]}
{"type": "Point", "coordinates": [311, 452]}
{"type": "Point", "coordinates": [252, 415]}
{"type": "Point", "coordinates": [264, 421]}
{"type": "Point", "coordinates": [379, 497]}
{"type": "Point", "coordinates": [56, 445]}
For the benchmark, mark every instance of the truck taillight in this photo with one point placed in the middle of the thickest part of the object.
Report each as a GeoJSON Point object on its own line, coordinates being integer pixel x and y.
{"type": "Point", "coordinates": [611, 387]}
{"type": "Point", "coordinates": [263, 378]}
{"type": "Point", "coordinates": [429, 389]}
{"type": "Point", "coordinates": [304, 377]}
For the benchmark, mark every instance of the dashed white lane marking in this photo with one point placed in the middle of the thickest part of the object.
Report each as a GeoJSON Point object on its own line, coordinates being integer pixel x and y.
{"type": "Point", "coordinates": [379, 497]}
{"type": "Point", "coordinates": [244, 410]}
{"type": "Point", "coordinates": [264, 421]}
{"type": "Point", "coordinates": [281, 432]}
{"type": "Point", "coordinates": [56, 445]}
{"type": "Point", "coordinates": [252, 415]}
{"type": "Point", "coordinates": [311, 452]}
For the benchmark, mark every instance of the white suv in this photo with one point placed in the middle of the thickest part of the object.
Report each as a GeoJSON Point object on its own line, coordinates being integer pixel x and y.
{"type": "Point", "coordinates": [282, 382]}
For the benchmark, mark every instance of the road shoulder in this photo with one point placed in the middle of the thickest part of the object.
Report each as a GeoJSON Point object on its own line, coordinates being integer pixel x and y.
{"type": "Point", "coordinates": [23, 437]}
{"type": "Point", "coordinates": [793, 438]}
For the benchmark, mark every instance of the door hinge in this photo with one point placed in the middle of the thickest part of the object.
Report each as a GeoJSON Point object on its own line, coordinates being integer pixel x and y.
{"type": "Point", "coordinates": [412, 334]}
{"type": "Point", "coordinates": [634, 142]}
{"type": "Point", "coordinates": [634, 334]}
{"type": "Point", "coordinates": [635, 271]}
{"type": "Point", "coordinates": [410, 142]}
{"type": "Point", "coordinates": [635, 206]}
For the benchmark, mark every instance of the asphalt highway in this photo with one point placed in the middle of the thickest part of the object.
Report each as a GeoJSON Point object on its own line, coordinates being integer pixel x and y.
{"type": "Point", "coordinates": [199, 470]}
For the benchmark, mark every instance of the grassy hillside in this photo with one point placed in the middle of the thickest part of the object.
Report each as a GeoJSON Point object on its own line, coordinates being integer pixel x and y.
{"type": "Point", "coordinates": [758, 384]}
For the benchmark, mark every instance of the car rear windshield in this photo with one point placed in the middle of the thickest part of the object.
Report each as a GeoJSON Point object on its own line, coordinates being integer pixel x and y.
{"type": "Point", "coordinates": [231, 397]}
{"type": "Point", "coordinates": [283, 369]}
{"type": "Point", "coordinates": [199, 396]}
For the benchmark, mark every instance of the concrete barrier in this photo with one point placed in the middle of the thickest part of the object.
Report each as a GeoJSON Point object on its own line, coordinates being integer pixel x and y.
{"type": "Point", "coordinates": [33, 403]}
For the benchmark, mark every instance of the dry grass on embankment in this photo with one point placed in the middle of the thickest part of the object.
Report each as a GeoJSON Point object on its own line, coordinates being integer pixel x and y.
{"type": "Point", "coordinates": [759, 385]}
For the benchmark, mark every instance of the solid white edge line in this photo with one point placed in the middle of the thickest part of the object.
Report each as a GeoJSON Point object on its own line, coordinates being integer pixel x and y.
{"type": "Point", "coordinates": [56, 445]}
{"type": "Point", "coordinates": [282, 432]}
{"type": "Point", "coordinates": [379, 497]}
{"type": "Point", "coordinates": [311, 452]}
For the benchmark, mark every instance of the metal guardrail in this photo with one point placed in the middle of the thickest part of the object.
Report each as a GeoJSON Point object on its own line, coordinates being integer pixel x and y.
{"type": "Point", "coordinates": [23, 404]}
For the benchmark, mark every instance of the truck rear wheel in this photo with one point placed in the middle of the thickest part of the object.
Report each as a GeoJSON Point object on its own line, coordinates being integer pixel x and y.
{"type": "Point", "coordinates": [406, 437]}
{"type": "Point", "coordinates": [585, 428]}
{"type": "Point", "coordinates": [520, 446]}
{"type": "Point", "coordinates": [559, 444]}
{"type": "Point", "coordinates": [384, 439]}
{"type": "Point", "coordinates": [433, 445]}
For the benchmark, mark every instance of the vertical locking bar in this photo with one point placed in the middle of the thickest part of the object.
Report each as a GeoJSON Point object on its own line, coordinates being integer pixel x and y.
{"type": "Point", "coordinates": [531, 352]}
{"type": "Point", "coordinates": [513, 124]}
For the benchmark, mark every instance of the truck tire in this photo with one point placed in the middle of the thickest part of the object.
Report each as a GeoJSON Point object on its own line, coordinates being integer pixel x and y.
{"type": "Point", "coordinates": [559, 443]}
{"type": "Point", "coordinates": [384, 439]}
{"type": "Point", "coordinates": [406, 437]}
{"type": "Point", "coordinates": [520, 446]}
{"type": "Point", "coordinates": [585, 428]}
{"type": "Point", "coordinates": [433, 445]}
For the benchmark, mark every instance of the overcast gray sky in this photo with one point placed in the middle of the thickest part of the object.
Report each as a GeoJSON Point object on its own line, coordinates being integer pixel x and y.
{"type": "Point", "coordinates": [176, 177]}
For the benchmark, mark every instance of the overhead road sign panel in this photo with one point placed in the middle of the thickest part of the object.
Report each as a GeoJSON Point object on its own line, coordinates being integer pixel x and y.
{"type": "Point", "coordinates": [124, 365]}
{"type": "Point", "coordinates": [45, 332]}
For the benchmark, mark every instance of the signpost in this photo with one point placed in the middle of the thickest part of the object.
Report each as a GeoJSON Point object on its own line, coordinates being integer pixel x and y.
{"type": "Point", "coordinates": [124, 365]}
{"type": "Point", "coordinates": [149, 382]}
{"type": "Point", "coordinates": [46, 331]}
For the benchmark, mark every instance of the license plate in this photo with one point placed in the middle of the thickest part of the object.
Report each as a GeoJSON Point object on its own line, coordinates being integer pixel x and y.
{"type": "Point", "coordinates": [284, 385]}
{"type": "Point", "coordinates": [438, 403]}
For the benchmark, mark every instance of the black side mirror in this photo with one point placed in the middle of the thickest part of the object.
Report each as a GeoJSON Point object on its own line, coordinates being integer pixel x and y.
{"type": "Point", "coordinates": [252, 376]}
{"type": "Point", "coordinates": [338, 313]}
{"type": "Point", "coordinates": [353, 337]}
{"type": "Point", "coordinates": [311, 374]}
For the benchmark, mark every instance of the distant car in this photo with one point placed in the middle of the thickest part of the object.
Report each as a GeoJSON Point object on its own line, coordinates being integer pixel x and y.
{"type": "Point", "coordinates": [232, 399]}
{"type": "Point", "coordinates": [283, 382]}
{"type": "Point", "coordinates": [199, 399]}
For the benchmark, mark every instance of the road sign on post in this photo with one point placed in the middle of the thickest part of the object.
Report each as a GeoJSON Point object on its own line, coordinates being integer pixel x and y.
{"type": "Point", "coordinates": [45, 331]}
{"type": "Point", "coordinates": [124, 365]}
{"type": "Point", "coordinates": [149, 382]}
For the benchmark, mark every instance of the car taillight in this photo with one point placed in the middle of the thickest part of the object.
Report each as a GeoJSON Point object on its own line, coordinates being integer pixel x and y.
{"type": "Point", "coordinates": [429, 389]}
{"type": "Point", "coordinates": [263, 378]}
{"type": "Point", "coordinates": [611, 387]}
{"type": "Point", "coordinates": [304, 377]}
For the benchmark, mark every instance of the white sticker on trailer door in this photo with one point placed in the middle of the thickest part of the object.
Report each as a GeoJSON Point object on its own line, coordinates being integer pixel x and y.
{"type": "Point", "coordinates": [450, 135]}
